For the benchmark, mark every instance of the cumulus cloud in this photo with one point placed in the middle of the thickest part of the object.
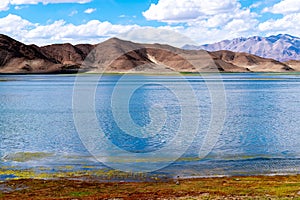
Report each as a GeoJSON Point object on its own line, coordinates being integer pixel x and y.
{"type": "Point", "coordinates": [184, 10]}
{"type": "Point", "coordinates": [162, 35]}
{"type": "Point", "coordinates": [93, 31]}
{"type": "Point", "coordinates": [18, 7]}
{"type": "Point", "coordinates": [4, 4]}
{"type": "Point", "coordinates": [233, 29]}
{"type": "Point", "coordinates": [21, 2]}
{"type": "Point", "coordinates": [284, 7]}
{"type": "Point", "coordinates": [288, 24]}
{"type": "Point", "coordinates": [256, 5]}
{"type": "Point", "coordinates": [14, 25]}
{"type": "Point", "coordinates": [205, 21]}
{"type": "Point", "coordinates": [90, 10]}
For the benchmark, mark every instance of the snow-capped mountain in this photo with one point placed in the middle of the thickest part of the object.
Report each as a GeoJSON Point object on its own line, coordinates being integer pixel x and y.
{"type": "Point", "coordinates": [281, 47]}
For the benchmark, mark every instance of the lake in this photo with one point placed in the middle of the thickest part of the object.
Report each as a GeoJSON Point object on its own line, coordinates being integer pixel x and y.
{"type": "Point", "coordinates": [155, 124]}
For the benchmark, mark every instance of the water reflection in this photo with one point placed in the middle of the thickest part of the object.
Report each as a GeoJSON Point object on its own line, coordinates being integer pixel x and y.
{"type": "Point", "coordinates": [258, 123]}
{"type": "Point", "coordinates": [261, 132]}
{"type": "Point", "coordinates": [144, 98]}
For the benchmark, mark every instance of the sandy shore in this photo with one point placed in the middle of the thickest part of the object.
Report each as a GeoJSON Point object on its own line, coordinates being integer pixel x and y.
{"type": "Point", "coordinates": [250, 187]}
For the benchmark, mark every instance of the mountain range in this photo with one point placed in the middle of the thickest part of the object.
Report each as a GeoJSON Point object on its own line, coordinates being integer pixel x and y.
{"type": "Point", "coordinates": [281, 47]}
{"type": "Point", "coordinates": [115, 55]}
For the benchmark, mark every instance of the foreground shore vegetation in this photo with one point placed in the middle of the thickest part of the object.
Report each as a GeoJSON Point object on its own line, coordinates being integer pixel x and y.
{"type": "Point", "coordinates": [248, 187]}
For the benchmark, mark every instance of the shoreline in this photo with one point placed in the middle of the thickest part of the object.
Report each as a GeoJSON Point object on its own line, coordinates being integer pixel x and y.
{"type": "Point", "coordinates": [149, 73]}
{"type": "Point", "coordinates": [236, 187]}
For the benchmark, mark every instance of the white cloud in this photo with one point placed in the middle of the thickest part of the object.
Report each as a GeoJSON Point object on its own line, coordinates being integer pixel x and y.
{"type": "Point", "coordinates": [256, 5]}
{"type": "Point", "coordinates": [18, 7]}
{"type": "Point", "coordinates": [224, 20]}
{"type": "Point", "coordinates": [74, 12]}
{"type": "Point", "coordinates": [284, 7]}
{"type": "Point", "coordinates": [14, 25]}
{"type": "Point", "coordinates": [185, 10]}
{"type": "Point", "coordinates": [205, 21]}
{"type": "Point", "coordinates": [4, 4]}
{"type": "Point", "coordinates": [203, 34]}
{"type": "Point", "coordinates": [93, 31]}
{"type": "Point", "coordinates": [162, 35]}
{"type": "Point", "coordinates": [208, 21]}
{"type": "Point", "coordinates": [21, 2]}
{"type": "Point", "coordinates": [288, 24]}
{"type": "Point", "coordinates": [90, 10]}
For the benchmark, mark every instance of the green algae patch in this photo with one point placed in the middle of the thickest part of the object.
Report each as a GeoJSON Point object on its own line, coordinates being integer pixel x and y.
{"type": "Point", "coordinates": [79, 194]}
{"type": "Point", "coordinates": [69, 172]}
{"type": "Point", "coordinates": [88, 167]}
{"type": "Point", "coordinates": [26, 156]}
{"type": "Point", "coordinates": [67, 167]}
{"type": "Point", "coordinates": [17, 173]}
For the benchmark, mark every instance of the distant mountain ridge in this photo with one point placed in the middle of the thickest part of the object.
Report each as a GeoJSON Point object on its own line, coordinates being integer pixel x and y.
{"type": "Point", "coordinates": [282, 47]}
{"type": "Point", "coordinates": [115, 55]}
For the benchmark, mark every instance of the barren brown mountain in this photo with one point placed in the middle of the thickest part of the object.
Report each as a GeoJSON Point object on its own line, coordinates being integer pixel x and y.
{"type": "Point", "coordinates": [115, 55]}
{"type": "Point", "coordinates": [251, 62]}
{"type": "Point", "coordinates": [18, 57]}
{"type": "Point", "coordinates": [295, 64]}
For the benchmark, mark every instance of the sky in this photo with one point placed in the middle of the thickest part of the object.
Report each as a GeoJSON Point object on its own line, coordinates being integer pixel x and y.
{"type": "Point", "coordinates": [173, 22]}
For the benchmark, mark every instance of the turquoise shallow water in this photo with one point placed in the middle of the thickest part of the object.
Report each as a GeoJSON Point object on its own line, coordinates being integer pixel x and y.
{"type": "Point", "coordinates": [261, 132]}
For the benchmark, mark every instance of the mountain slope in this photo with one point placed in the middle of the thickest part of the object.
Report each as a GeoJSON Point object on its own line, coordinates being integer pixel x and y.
{"type": "Point", "coordinates": [295, 64]}
{"type": "Point", "coordinates": [251, 62]}
{"type": "Point", "coordinates": [282, 47]}
{"type": "Point", "coordinates": [16, 57]}
{"type": "Point", "coordinates": [26, 57]}
{"type": "Point", "coordinates": [115, 55]}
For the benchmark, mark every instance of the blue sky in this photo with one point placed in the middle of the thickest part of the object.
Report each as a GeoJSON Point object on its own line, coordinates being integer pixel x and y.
{"type": "Point", "coordinates": [114, 11]}
{"type": "Point", "coordinates": [92, 21]}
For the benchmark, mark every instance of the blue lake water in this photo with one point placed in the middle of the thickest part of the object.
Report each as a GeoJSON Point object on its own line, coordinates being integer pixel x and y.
{"type": "Point", "coordinates": [260, 135]}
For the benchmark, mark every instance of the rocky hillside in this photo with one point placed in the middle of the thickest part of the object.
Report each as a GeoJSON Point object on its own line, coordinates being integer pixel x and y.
{"type": "Point", "coordinates": [115, 55]}
{"type": "Point", "coordinates": [281, 47]}
{"type": "Point", "coordinates": [17, 57]}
